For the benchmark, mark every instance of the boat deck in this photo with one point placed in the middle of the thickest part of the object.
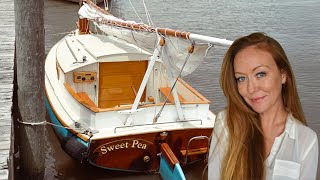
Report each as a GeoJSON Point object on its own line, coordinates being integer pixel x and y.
{"type": "Point", "coordinates": [7, 38]}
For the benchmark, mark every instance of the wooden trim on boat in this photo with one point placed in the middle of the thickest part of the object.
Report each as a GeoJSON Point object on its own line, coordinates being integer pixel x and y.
{"type": "Point", "coordinates": [166, 91]}
{"type": "Point", "coordinates": [168, 154]}
{"type": "Point", "coordinates": [195, 151]}
{"type": "Point", "coordinates": [134, 90]}
{"type": "Point", "coordinates": [83, 25]}
{"type": "Point", "coordinates": [83, 98]}
{"type": "Point", "coordinates": [57, 68]}
{"type": "Point", "coordinates": [81, 136]}
{"type": "Point", "coordinates": [86, 98]}
{"type": "Point", "coordinates": [144, 147]}
{"type": "Point", "coordinates": [194, 91]}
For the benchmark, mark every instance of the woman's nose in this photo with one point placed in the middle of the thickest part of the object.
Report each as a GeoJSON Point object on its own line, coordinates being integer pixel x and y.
{"type": "Point", "coordinates": [252, 86]}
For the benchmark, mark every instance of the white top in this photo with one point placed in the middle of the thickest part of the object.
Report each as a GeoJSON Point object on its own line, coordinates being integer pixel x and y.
{"type": "Point", "coordinates": [294, 154]}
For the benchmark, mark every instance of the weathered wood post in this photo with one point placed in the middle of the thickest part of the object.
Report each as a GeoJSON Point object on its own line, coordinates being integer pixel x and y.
{"type": "Point", "coordinates": [30, 57]}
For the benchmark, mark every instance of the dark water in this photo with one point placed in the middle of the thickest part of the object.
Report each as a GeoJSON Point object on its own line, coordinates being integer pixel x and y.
{"type": "Point", "coordinates": [294, 23]}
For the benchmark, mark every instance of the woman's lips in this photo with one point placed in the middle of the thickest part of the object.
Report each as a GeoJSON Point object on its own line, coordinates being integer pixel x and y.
{"type": "Point", "coordinates": [257, 100]}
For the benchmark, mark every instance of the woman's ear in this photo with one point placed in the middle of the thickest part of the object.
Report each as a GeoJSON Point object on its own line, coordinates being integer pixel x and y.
{"type": "Point", "coordinates": [283, 77]}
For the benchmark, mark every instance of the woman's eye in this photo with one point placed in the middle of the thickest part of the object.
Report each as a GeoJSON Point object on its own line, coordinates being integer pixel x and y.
{"type": "Point", "coordinates": [240, 79]}
{"type": "Point", "coordinates": [261, 74]}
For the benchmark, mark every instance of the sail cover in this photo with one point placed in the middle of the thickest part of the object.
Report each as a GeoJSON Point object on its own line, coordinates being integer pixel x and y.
{"type": "Point", "coordinates": [175, 53]}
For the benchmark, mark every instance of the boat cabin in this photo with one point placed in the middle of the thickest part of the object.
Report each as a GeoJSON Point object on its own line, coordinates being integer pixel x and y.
{"type": "Point", "coordinates": [104, 74]}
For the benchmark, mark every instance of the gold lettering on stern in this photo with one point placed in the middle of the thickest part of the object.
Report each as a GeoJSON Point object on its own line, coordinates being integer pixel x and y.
{"type": "Point", "coordinates": [124, 144]}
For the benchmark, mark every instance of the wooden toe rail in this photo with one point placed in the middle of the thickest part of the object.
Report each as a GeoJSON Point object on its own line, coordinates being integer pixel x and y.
{"type": "Point", "coordinates": [166, 91]}
{"type": "Point", "coordinates": [83, 98]}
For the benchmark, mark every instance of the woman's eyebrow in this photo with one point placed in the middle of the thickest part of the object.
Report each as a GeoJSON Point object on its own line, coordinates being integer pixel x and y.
{"type": "Point", "coordinates": [262, 65]}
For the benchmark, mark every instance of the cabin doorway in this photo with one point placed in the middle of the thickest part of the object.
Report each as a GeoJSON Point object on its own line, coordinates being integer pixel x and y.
{"type": "Point", "coordinates": [119, 82]}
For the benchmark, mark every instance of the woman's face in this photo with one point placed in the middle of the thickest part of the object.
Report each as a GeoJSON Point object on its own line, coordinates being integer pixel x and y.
{"type": "Point", "coordinates": [259, 80]}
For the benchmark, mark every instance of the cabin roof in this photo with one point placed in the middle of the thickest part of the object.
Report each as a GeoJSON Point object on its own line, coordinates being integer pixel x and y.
{"type": "Point", "coordinates": [76, 51]}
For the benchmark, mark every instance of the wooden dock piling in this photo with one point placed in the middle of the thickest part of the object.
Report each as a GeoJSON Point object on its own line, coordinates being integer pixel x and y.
{"type": "Point", "coordinates": [30, 57]}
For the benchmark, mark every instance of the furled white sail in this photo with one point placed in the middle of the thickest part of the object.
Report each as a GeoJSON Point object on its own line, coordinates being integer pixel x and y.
{"type": "Point", "coordinates": [176, 52]}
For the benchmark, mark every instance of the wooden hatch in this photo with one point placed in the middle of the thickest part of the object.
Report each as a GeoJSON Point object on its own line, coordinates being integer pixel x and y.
{"type": "Point", "coordinates": [119, 82]}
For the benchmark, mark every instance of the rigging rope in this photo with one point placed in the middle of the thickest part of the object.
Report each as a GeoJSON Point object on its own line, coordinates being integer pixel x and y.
{"type": "Point", "coordinates": [106, 5]}
{"type": "Point", "coordinates": [135, 11]}
{"type": "Point", "coordinates": [150, 23]}
{"type": "Point", "coordinates": [147, 14]}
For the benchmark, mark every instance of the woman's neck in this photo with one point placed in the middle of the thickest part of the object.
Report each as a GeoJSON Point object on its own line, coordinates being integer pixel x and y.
{"type": "Point", "coordinates": [273, 125]}
{"type": "Point", "coordinates": [273, 119]}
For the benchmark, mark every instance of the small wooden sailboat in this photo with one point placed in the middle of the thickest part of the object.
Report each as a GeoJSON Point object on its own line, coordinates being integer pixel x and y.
{"type": "Point", "coordinates": [119, 105]}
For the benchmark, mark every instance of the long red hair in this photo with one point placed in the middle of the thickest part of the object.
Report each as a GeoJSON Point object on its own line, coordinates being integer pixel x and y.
{"type": "Point", "coordinates": [245, 155]}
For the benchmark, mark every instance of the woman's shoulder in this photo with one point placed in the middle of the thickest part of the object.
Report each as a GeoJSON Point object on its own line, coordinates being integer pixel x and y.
{"type": "Point", "coordinates": [220, 121]}
{"type": "Point", "coordinates": [222, 114]}
{"type": "Point", "coordinates": [303, 133]}
{"type": "Point", "coordinates": [301, 128]}
{"type": "Point", "coordinates": [221, 118]}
